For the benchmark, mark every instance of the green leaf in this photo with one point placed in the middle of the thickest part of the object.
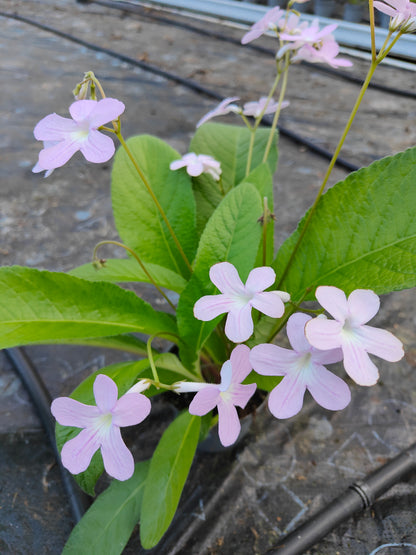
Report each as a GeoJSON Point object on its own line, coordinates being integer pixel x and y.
{"type": "Point", "coordinates": [232, 234]}
{"type": "Point", "coordinates": [137, 218]}
{"type": "Point", "coordinates": [129, 270]}
{"type": "Point", "coordinates": [229, 145]}
{"type": "Point", "coordinates": [362, 235]}
{"type": "Point", "coordinates": [108, 524]}
{"type": "Point", "coordinates": [125, 342]}
{"type": "Point", "coordinates": [169, 468]}
{"type": "Point", "coordinates": [39, 306]}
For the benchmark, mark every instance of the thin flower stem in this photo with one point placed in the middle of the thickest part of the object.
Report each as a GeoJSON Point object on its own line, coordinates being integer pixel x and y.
{"type": "Point", "coordinates": [183, 371]}
{"type": "Point", "coordinates": [382, 55]}
{"type": "Point", "coordinates": [257, 122]}
{"type": "Point", "coordinates": [279, 107]}
{"type": "Point", "coordinates": [329, 170]}
{"type": "Point", "coordinates": [266, 215]}
{"type": "Point", "coordinates": [154, 198]}
{"type": "Point", "coordinates": [372, 29]}
{"type": "Point", "coordinates": [136, 257]}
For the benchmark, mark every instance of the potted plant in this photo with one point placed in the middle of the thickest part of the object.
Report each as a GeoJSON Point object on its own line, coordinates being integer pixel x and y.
{"type": "Point", "coordinates": [201, 226]}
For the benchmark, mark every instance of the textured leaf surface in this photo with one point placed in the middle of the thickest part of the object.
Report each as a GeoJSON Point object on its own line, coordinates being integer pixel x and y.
{"type": "Point", "coordinates": [107, 525]}
{"type": "Point", "coordinates": [168, 471]}
{"type": "Point", "coordinates": [232, 234]}
{"type": "Point", "coordinates": [37, 306]}
{"type": "Point", "coordinates": [363, 234]}
{"type": "Point", "coordinates": [129, 270]}
{"type": "Point", "coordinates": [137, 218]}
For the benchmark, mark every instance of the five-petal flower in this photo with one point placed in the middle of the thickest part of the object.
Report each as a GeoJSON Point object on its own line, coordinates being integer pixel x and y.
{"type": "Point", "coordinates": [101, 427]}
{"type": "Point", "coordinates": [196, 164]}
{"type": "Point", "coordinates": [238, 299]}
{"type": "Point", "coordinates": [302, 369]}
{"type": "Point", "coordinates": [402, 12]}
{"type": "Point", "coordinates": [263, 106]}
{"type": "Point", "coordinates": [63, 137]}
{"type": "Point", "coordinates": [224, 107]}
{"type": "Point", "coordinates": [226, 396]}
{"type": "Point", "coordinates": [349, 332]}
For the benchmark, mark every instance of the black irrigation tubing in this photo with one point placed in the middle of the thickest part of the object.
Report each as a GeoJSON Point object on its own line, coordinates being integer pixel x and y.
{"type": "Point", "coordinates": [146, 12]}
{"type": "Point", "coordinates": [188, 83]}
{"type": "Point", "coordinates": [41, 399]}
{"type": "Point", "coordinates": [357, 497]}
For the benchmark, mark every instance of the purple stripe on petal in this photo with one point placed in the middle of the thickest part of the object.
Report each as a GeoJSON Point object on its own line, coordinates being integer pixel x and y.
{"type": "Point", "coordinates": [269, 303]}
{"type": "Point", "coordinates": [69, 412]}
{"type": "Point", "coordinates": [239, 324]}
{"type": "Point", "coordinates": [242, 393]}
{"type": "Point", "coordinates": [205, 400]}
{"type": "Point", "coordinates": [54, 128]}
{"type": "Point", "coordinates": [97, 148]}
{"type": "Point", "coordinates": [295, 330]}
{"type": "Point", "coordinates": [225, 277]}
{"type": "Point", "coordinates": [118, 461]}
{"type": "Point", "coordinates": [80, 110]}
{"type": "Point", "coordinates": [333, 300]}
{"type": "Point", "coordinates": [324, 334]}
{"type": "Point", "coordinates": [211, 306]}
{"type": "Point", "coordinates": [57, 155]}
{"type": "Point", "coordinates": [105, 393]}
{"type": "Point", "coordinates": [358, 365]}
{"type": "Point", "coordinates": [272, 360]}
{"type": "Point", "coordinates": [105, 110]}
{"type": "Point", "coordinates": [240, 362]}
{"type": "Point", "coordinates": [286, 399]}
{"type": "Point", "coordinates": [77, 453]}
{"type": "Point", "coordinates": [228, 423]}
{"type": "Point", "coordinates": [363, 305]}
{"type": "Point", "coordinates": [260, 279]}
{"type": "Point", "coordinates": [381, 343]}
{"type": "Point", "coordinates": [131, 409]}
{"type": "Point", "coordinates": [328, 390]}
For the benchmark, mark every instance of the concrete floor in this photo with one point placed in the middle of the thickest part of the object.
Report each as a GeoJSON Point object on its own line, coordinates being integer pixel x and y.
{"type": "Point", "coordinates": [238, 502]}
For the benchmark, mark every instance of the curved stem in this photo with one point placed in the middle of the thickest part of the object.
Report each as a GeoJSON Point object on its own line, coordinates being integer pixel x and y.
{"type": "Point", "coordinates": [136, 257]}
{"type": "Point", "coordinates": [372, 29]}
{"type": "Point", "coordinates": [154, 198]}
{"type": "Point", "coordinates": [329, 169]}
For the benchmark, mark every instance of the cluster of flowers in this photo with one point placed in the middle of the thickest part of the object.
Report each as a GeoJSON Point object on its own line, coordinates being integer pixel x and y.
{"type": "Point", "coordinates": [315, 342]}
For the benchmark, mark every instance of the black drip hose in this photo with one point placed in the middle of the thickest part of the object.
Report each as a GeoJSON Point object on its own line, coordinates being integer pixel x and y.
{"type": "Point", "coordinates": [360, 495]}
{"type": "Point", "coordinates": [41, 399]}
{"type": "Point", "coordinates": [188, 83]}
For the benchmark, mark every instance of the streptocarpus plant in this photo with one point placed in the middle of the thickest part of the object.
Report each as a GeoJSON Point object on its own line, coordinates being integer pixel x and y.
{"type": "Point", "coordinates": [201, 226]}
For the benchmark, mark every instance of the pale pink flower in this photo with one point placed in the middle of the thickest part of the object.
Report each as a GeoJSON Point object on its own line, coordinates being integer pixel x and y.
{"type": "Point", "coordinates": [223, 108]}
{"type": "Point", "coordinates": [307, 34]}
{"type": "Point", "coordinates": [238, 299]}
{"type": "Point", "coordinates": [266, 23]}
{"type": "Point", "coordinates": [302, 369]}
{"type": "Point", "coordinates": [227, 395]}
{"type": "Point", "coordinates": [63, 137]}
{"type": "Point", "coordinates": [349, 332]}
{"type": "Point", "coordinates": [325, 52]}
{"type": "Point", "coordinates": [255, 109]}
{"type": "Point", "coordinates": [402, 12]}
{"type": "Point", "coordinates": [196, 164]}
{"type": "Point", "coordinates": [101, 427]}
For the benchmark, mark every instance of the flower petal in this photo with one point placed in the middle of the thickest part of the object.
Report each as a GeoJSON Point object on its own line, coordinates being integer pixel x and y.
{"type": "Point", "coordinates": [225, 277]}
{"type": "Point", "coordinates": [69, 412]}
{"type": "Point", "coordinates": [97, 148]}
{"type": "Point", "coordinates": [105, 393]}
{"type": "Point", "coordinates": [239, 324]}
{"type": "Point", "coordinates": [363, 305]}
{"type": "Point", "coordinates": [328, 390]}
{"type": "Point", "coordinates": [358, 365]}
{"type": "Point", "coordinates": [81, 110]}
{"type": "Point", "coordinates": [131, 409]}
{"type": "Point", "coordinates": [260, 279]}
{"type": "Point", "coordinates": [105, 110]}
{"type": "Point", "coordinates": [205, 400]}
{"type": "Point", "coordinates": [324, 334]}
{"type": "Point", "coordinates": [242, 393]}
{"type": "Point", "coordinates": [228, 423]}
{"type": "Point", "coordinates": [333, 300]}
{"type": "Point", "coordinates": [57, 155]}
{"type": "Point", "coordinates": [240, 363]}
{"type": "Point", "coordinates": [286, 399]}
{"type": "Point", "coordinates": [271, 360]}
{"type": "Point", "coordinates": [77, 453]}
{"type": "Point", "coordinates": [54, 128]}
{"type": "Point", "coordinates": [209, 307]}
{"type": "Point", "coordinates": [381, 343]}
{"type": "Point", "coordinates": [118, 461]}
{"type": "Point", "coordinates": [295, 330]}
{"type": "Point", "coordinates": [269, 303]}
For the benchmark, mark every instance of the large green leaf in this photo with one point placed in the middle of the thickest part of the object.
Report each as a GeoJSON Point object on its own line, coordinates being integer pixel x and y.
{"type": "Point", "coordinates": [40, 306]}
{"type": "Point", "coordinates": [128, 270]}
{"type": "Point", "coordinates": [137, 218]}
{"type": "Point", "coordinates": [232, 234]}
{"type": "Point", "coordinates": [362, 235]}
{"type": "Point", "coordinates": [229, 145]}
{"type": "Point", "coordinates": [168, 471]}
{"type": "Point", "coordinates": [107, 525]}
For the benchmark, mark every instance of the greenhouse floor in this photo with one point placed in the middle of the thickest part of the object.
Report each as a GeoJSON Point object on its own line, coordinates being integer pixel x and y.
{"type": "Point", "coordinates": [238, 501]}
